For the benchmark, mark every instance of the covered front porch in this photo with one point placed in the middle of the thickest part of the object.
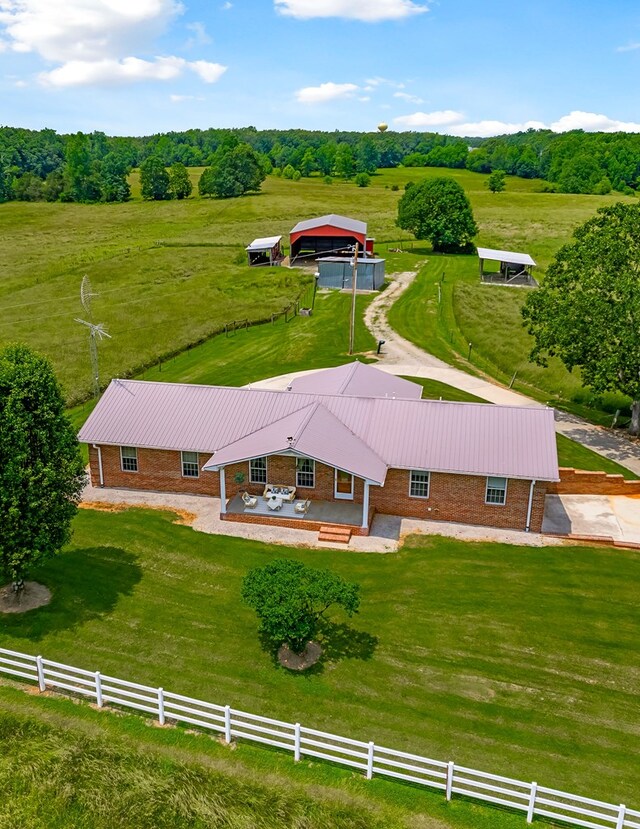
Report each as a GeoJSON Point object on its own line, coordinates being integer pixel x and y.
{"type": "Point", "coordinates": [319, 512]}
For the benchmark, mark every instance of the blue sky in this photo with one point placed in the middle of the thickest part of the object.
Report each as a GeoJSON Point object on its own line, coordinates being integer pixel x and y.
{"type": "Point", "coordinates": [457, 66]}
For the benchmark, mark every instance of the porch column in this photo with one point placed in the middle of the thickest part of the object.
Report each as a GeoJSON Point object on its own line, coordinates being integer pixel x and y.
{"type": "Point", "coordinates": [223, 492]}
{"type": "Point", "coordinates": [365, 506]}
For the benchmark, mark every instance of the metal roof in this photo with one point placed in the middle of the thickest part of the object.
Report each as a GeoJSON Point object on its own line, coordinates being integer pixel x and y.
{"type": "Point", "coordinates": [357, 379]}
{"type": "Point", "coordinates": [304, 433]}
{"type": "Point", "coordinates": [505, 256]}
{"type": "Point", "coordinates": [441, 436]}
{"type": "Point", "coordinates": [362, 260]}
{"type": "Point", "coordinates": [343, 222]}
{"type": "Point", "coordinates": [265, 243]}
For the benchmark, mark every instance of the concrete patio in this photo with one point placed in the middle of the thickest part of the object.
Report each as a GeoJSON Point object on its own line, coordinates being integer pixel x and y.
{"type": "Point", "coordinates": [325, 512]}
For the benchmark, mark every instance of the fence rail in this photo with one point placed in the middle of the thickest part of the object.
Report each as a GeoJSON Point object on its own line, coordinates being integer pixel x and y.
{"type": "Point", "coordinates": [372, 759]}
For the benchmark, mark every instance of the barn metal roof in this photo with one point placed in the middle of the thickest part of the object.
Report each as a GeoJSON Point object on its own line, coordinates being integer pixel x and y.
{"type": "Point", "coordinates": [441, 436]}
{"type": "Point", "coordinates": [505, 256]}
{"type": "Point", "coordinates": [343, 222]}
{"type": "Point", "coordinates": [265, 243]}
{"type": "Point", "coordinates": [357, 379]}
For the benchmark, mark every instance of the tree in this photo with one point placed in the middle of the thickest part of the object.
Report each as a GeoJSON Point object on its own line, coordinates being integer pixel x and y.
{"type": "Point", "coordinates": [308, 164]}
{"type": "Point", "coordinates": [291, 599]}
{"type": "Point", "coordinates": [113, 174]}
{"type": "Point", "coordinates": [179, 181]}
{"type": "Point", "coordinates": [41, 469]}
{"type": "Point", "coordinates": [587, 311]}
{"type": "Point", "coordinates": [288, 172]}
{"type": "Point", "coordinates": [367, 156]}
{"type": "Point", "coordinates": [345, 162]}
{"type": "Point", "coordinates": [154, 179]}
{"type": "Point", "coordinates": [496, 181]}
{"type": "Point", "coordinates": [233, 172]}
{"type": "Point", "coordinates": [438, 209]}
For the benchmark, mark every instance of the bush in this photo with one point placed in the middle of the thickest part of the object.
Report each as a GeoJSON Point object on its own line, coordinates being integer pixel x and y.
{"type": "Point", "coordinates": [362, 179]}
{"type": "Point", "coordinates": [395, 188]}
{"type": "Point", "coordinates": [328, 180]}
{"type": "Point", "coordinates": [288, 172]}
{"type": "Point", "coordinates": [296, 176]}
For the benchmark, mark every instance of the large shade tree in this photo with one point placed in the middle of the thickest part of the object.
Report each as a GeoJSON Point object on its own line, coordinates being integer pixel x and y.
{"type": "Point", "coordinates": [291, 599]}
{"type": "Point", "coordinates": [41, 469]}
{"type": "Point", "coordinates": [438, 210]}
{"type": "Point", "coordinates": [587, 311]}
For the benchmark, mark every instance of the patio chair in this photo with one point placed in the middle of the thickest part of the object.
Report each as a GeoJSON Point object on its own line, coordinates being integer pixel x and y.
{"type": "Point", "coordinates": [301, 507]}
{"type": "Point", "coordinates": [250, 501]}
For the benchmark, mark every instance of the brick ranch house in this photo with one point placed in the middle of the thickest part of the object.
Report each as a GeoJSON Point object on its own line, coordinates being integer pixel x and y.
{"type": "Point", "coordinates": [337, 445]}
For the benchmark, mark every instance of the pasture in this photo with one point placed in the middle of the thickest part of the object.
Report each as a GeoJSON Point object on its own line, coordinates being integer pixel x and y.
{"type": "Point", "coordinates": [157, 299]}
{"type": "Point", "coordinates": [514, 660]}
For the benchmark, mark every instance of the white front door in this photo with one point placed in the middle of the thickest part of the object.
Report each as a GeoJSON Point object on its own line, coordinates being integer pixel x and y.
{"type": "Point", "coordinates": [343, 487]}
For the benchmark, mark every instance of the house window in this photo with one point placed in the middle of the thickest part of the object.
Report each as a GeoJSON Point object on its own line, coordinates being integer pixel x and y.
{"type": "Point", "coordinates": [419, 484]}
{"type": "Point", "coordinates": [129, 458]}
{"type": "Point", "coordinates": [305, 472]}
{"type": "Point", "coordinates": [190, 466]}
{"type": "Point", "coordinates": [496, 491]}
{"type": "Point", "coordinates": [258, 471]}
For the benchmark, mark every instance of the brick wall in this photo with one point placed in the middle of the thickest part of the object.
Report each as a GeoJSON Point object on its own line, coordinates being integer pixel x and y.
{"type": "Point", "coordinates": [580, 482]}
{"type": "Point", "coordinates": [458, 498]}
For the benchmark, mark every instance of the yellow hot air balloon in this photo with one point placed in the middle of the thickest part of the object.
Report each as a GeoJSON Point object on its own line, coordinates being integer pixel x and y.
{"type": "Point", "coordinates": [383, 127]}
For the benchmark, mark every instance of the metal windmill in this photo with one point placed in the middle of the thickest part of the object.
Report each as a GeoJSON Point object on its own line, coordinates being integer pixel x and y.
{"type": "Point", "coordinates": [97, 331]}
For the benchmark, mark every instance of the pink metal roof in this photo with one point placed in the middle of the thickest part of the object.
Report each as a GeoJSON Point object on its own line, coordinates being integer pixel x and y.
{"type": "Point", "coordinates": [333, 219]}
{"type": "Point", "coordinates": [305, 433]}
{"type": "Point", "coordinates": [357, 379]}
{"type": "Point", "coordinates": [467, 438]}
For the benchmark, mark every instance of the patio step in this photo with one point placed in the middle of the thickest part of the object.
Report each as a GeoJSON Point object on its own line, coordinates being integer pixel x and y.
{"type": "Point", "coordinates": [337, 535]}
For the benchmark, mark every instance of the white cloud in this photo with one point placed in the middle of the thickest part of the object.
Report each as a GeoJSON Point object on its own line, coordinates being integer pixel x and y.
{"type": "Point", "coordinates": [483, 129]}
{"type": "Point", "coordinates": [440, 118]}
{"type": "Point", "coordinates": [325, 92]}
{"type": "Point", "coordinates": [591, 122]}
{"type": "Point", "coordinates": [364, 98]}
{"type": "Point", "coordinates": [110, 72]}
{"type": "Point", "coordinates": [368, 10]}
{"type": "Point", "coordinates": [412, 99]}
{"type": "Point", "coordinates": [94, 41]}
{"type": "Point", "coordinates": [630, 47]}
{"type": "Point", "coordinates": [179, 99]}
{"type": "Point", "coordinates": [226, 6]}
{"type": "Point", "coordinates": [200, 36]}
{"type": "Point", "coordinates": [207, 71]}
{"type": "Point", "coordinates": [456, 125]}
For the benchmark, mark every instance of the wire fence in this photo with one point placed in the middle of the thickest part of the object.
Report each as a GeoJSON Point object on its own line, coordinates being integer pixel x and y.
{"type": "Point", "coordinates": [531, 799]}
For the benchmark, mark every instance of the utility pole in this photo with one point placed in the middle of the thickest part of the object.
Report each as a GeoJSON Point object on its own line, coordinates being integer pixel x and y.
{"type": "Point", "coordinates": [354, 281]}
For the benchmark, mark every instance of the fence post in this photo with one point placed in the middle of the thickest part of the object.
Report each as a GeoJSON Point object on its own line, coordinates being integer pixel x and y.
{"type": "Point", "coordinates": [41, 683]}
{"type": "Point", "coordinates": [532, 802]}
{"type": "Point", "coordinates": [296, 742]}
{"type": "Point", "coordinates": [160, 706]}
{"type": "Point", "coordinates": [450, 769]}
{"type": "Point", "coordinates": [227, 723]}
{"type": "Point", "coordinates": [370, 761]}
{"type": "Point", "coordinates": [622, 812]}
{"type": "Point", "coordinates": [98, 689]}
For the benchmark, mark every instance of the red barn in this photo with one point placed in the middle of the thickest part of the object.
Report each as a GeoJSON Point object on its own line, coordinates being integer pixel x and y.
{"type": "Point", "coordinates": [327, 234]}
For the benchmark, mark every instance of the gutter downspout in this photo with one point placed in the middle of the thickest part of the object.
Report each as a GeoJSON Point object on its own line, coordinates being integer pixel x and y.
{"type": "Point", "coordinates": [100, 473]}
{"type": "Point", "coordinates": [530, 506]}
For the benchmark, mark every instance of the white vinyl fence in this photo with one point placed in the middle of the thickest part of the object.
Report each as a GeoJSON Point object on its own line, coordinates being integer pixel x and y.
{"type": "Point", "coordinates": [450, 778]}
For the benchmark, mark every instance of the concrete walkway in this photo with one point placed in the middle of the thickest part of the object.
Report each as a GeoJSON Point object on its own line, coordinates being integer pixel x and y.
{"type": "Point", "coordinates": [387, 531]}
{"type": "Point", "coordinates": [401, 357]}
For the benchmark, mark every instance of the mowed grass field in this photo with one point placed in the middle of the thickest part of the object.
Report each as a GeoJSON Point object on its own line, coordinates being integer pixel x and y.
{"type": "Point", "coordinates": [520, 661]}
{"type": "Point", "coordinates": [157, 299]}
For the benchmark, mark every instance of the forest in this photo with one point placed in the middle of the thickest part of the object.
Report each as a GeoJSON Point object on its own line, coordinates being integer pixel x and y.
{"type": "Point", "coordinates": [43, 165]}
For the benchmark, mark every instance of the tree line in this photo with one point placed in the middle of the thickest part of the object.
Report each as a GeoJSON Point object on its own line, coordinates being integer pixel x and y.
{"type": "Point", "coordinates": [93, 167]}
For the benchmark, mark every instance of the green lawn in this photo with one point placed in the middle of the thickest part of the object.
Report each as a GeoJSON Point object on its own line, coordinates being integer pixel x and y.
{"type": "Point", "coordinates": [156, 300]}
{"type": "Point", "coordinates": [126, 774]}
{"type": "Point", "coordinates": [488, 318]}
{"type": "Point", "coordinates": [514, 660]}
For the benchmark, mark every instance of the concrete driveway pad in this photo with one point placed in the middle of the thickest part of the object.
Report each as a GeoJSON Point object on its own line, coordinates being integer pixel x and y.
{"type": "Point", "coordinates": [609, 516]}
